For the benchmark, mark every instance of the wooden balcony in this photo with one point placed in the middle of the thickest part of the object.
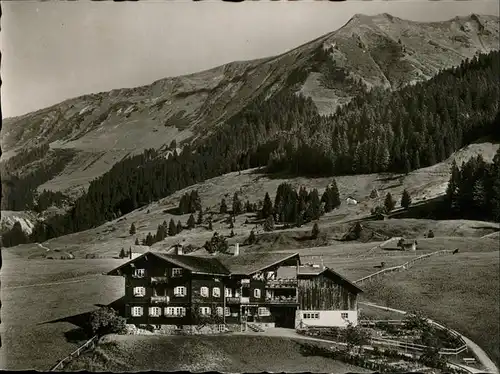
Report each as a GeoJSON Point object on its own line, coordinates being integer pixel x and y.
{"type": "Point", "coordinates": [160, 299]}
{"type": "Point", "coordinates": [282, 300]}
{"type": "Point", "coordinates": [282, 283]}
{"type": "Point", "coordinates": [237, 300]}
{"type": "Point", "coordinates": [159, 280]}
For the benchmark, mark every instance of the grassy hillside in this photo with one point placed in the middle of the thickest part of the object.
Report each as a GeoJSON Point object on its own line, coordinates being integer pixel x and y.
{"type": "Point", "coordinates": [39, 299]}
{"type": "Point", "coordinates": [460, 291]}
{"type": "Point", "coordinates": [241, 354]}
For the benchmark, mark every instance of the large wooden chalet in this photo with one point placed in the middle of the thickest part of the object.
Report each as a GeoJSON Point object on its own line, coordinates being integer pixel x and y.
{"type": "Point", "coordinates": [267, 289]}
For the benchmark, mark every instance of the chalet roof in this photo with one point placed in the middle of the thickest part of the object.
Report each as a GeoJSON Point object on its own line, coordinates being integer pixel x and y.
{"type": "Point", "coordinates": [193, 263]}
{"type": "Point", "coordinates": [313, 271]}
{"type": "Point", "coordinates": [252, 262]}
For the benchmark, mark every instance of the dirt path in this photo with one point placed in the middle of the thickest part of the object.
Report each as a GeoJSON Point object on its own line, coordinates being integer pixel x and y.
{"type": "Point", "coordinates": [478, 351]}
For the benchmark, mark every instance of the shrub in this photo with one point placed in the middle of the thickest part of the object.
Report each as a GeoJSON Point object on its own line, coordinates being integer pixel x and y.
{"type": "Point", "coordinates": [430, 234]}
{"type": "Point", "coordinates": [105, 321]}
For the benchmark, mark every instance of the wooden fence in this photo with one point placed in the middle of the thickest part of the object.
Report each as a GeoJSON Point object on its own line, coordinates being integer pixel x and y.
{"type": "Point", "coordinates": [402, 267]}
{"type": "Point", "coordinates": [66, 360]}
{"type": "Point", "coordinates": [417, 347]}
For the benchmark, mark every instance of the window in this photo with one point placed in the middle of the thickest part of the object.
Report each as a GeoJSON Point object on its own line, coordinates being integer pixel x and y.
{"type": "Point", "coordinates": [171, 311]}
{"type": "Point", "coordinates": [204, 291]}
{"type": "Point", "coordinates": [344, 315]}
{"type": "Point", "coordinates": [228, 292]}
{"type": "Point", "coordinates": [205, 311]}
{"type": "Point", "coordinates": [136, 311]}
{"type": "Point", "coordinates": [216, 292]}
{"type": "Point", "coordinates": [220, 311]}
{"type": "Point", "coordinates": [311, 315]}
{"type": "Point", "coordinates": [154, 311]}
{"type": "Point", "coordinates": [256, 293]}
{"type": "Point", "coordinates": [139, 291]}
{"type": "Point", "coordinates": [180, 291]}
{"type": "Point", "coordinates": [176, 272]}
{"type": "Point", "coordinates": [227, 311]}
{"type": "Point", "coordinates": [221, 328]}
{"type": "Point", "coordinates": [139, 273]}
{"type": "Point", "coordinates": [264, 312]}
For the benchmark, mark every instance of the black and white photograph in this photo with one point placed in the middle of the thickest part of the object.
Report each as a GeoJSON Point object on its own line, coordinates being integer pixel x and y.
{"type": "Point", "coordinates": [247, 187]}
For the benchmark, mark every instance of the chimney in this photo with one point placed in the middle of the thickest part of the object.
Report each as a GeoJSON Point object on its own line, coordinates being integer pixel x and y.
{"type": "Point", "coordinates": [179, 249]}
{"type": "Point", "coordinates": [237, 249]}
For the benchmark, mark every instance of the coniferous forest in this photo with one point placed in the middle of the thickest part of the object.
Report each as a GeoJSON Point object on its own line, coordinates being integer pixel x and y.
{"type": "Point", "coordinates": [379, 131]}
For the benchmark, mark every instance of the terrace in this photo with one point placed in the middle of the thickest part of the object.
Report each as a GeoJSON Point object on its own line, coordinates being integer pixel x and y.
{"type": "Point", "coordinates": [282, 283]}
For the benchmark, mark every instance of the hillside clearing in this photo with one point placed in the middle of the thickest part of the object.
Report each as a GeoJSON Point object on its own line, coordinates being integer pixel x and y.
{"type": "Point", "coordinates": [227, 353]}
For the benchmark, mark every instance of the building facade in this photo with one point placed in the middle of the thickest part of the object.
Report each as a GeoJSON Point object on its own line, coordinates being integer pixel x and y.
{"type": "Point", "coordinates": [266, 290]}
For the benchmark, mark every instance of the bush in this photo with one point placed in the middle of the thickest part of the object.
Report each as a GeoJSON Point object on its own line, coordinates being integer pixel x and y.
{"type": "Point", "coordinates": [105, 321]}
{"type": "Point", "coordinates": [430, 234]}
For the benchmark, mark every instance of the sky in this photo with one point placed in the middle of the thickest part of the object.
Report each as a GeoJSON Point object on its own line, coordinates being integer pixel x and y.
{"type": "Point", "coordinates": [52, 51]}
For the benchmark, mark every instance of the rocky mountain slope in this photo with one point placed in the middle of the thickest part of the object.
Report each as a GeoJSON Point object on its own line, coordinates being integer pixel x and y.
{"type": "Point", "coordinates": [98, 130]}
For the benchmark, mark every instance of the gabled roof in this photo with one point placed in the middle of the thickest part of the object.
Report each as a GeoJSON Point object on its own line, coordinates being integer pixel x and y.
{"type": "Point", "coordinates": [195, 264]}
{"type": "Point", "coordinates": [311, 271]}
{"type": "Point", "coordinates": [252, 262]}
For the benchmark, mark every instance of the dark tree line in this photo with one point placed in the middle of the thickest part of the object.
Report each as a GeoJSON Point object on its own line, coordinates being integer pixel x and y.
{"type": "Point", "coordinates": [190, 203]}
{"type": "Point", "coordinates": [474, 189]}
{"type": "Point", "coordinates": [298, 207]}
{"type": "Point", "coordinates": [379, 131]}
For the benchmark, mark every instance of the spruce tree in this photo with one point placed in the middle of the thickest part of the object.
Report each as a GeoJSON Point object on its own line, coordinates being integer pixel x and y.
{"type": "Point", "coordinates": [334, 194]}
{"type": "Point", "coordinates": [149, 240]}
{"type": "Point", "coordinates": [136, 241]}
{"type": "Point", "coordinates": [210, 224]}
{"type": "Point", "coordinates": [179, 227]}
{"type": "Point", "coordinates": [160, 233]}
{"type": "Point", "coordinates": [326, 199]}
{"type": "Point", "coordinates": [172, 228]}
{"type": "Point", "coordinates": [122, 253]}
{"type": "Point", "coordinates": [405, 199]}
{"type": "Point", "coordinates": [315, 231]}
{"type": "Point", "coordinates": [267, 207]}
{"type": "Point", "coordinates": [389, 203]}
{"type": "Point", "coordinates": [200, 217]}
{"type": "Point", "coordinates": [132, 230]}
{"type": "Point", "coordinates": [223, 206]}
{"type": "Point", "coordinates": [190, 222]}
{"type": "Point", "coordinates": [251, 238]}
{"type": "Point", "coordinates": [237, 206]}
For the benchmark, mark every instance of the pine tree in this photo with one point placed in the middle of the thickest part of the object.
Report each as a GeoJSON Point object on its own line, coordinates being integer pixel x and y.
{"type": "Point", "coordinates": [452, 190]}
{"type": "Point", "coordinates": [149, 240]}
{"type": "Point", "coordinates": [210, 224]}
{"type": "Point", "coordinates": [160, 233]}
{"type": "Point", "coordinates": [172, 228]}
{"type": "Point", "coordinates": [334, 194]}
{"type": "Point", "coordinates": [326, 199]}
{"type": "Point", "coordinates": [237, 206]}
{"type": "Point", "coordinates": [248, 207]}
{"type": "Point", "coordinates": [136, 241]}
{"type": "Point", "coordinates": [223, 206]}
{"type": "Point", "coordinates": [389, 203]}
{"type": "Point", "coordinates": [200, 217]}
{"type": "Point", "coordinates": [267, 207]}
{"type": "Point", "coordinates": [315, 231]}
{"type": "Point", "coordinates": [190, 222]}
{"type": "Point", "coordinates": [132, 230]}
{"type": "Point", "coordinates": [405, 199]}
{"type": "Point", "coordinates": [251, 238]}
{"type": "Point", "coordinates": [122, 253]}
{"type": "Point", "coordinates": [179, 227]}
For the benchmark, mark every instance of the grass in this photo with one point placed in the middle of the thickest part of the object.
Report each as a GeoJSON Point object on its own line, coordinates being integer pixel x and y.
{"type": "Point", "coordinates": [460, 291]}
{"type": "Point", "coordinates": [228, 353]}
{"type": "Point", "coordinates": [29, 340]}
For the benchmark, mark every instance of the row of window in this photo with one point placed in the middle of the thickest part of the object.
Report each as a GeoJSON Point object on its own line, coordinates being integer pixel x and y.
{"type": "Point", "coordinates": [155, 311]}
{"type": "Point", "coordinates": [307, 315]}
{"type": "Point", "coordinates": [181, 291]}
{"type": "Point", "coordinates": [140, 273]}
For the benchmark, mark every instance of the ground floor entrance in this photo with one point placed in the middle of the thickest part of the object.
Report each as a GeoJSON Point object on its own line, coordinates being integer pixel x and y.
{"type": "Point", "coordinates": [284, 316]}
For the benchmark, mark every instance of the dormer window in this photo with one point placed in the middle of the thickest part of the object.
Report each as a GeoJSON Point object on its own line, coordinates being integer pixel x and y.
{"type": "Point", "coordinates": [139, 273]}
{"type": "Point", "coordinates": [176, 272]}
